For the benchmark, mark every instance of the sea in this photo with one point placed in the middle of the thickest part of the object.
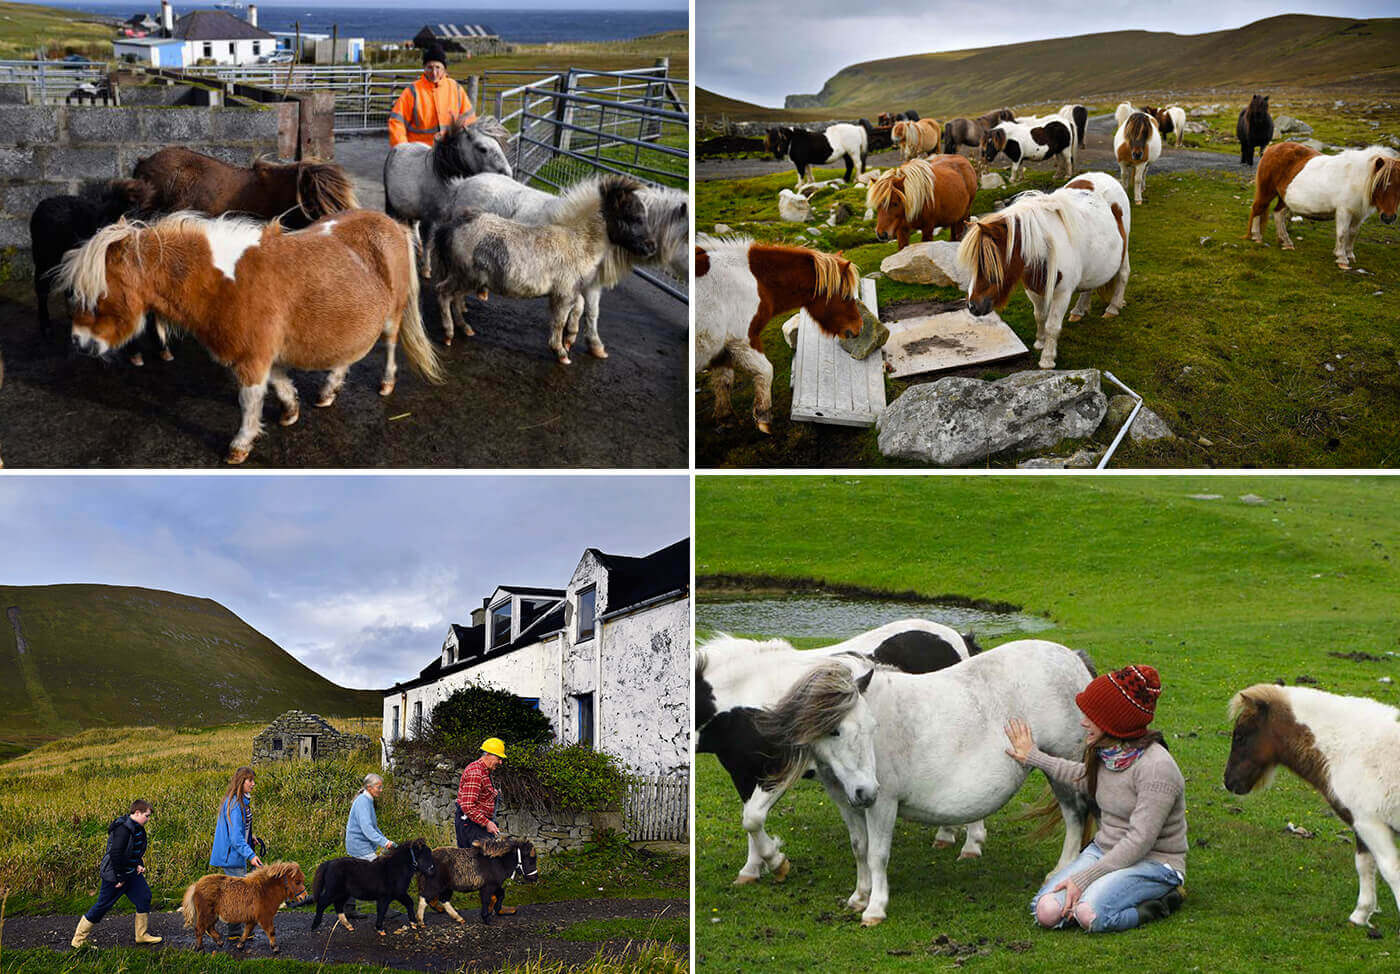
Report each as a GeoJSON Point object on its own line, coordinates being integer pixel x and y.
{"type": "Point", "coordinates": [394, 23]}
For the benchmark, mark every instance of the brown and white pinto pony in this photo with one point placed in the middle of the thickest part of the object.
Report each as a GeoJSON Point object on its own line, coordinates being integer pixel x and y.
{"type": "Point", "coordinates": [1072, 240]}
{"type": "Point", "coordinates": [1347, 748]}
{"type": "Point", "coordinates": [740, 285]}
{"type": "Point", "coordinates": [260, 299]}
{"type": "Point", "coordinates": [924, 195]}
{"type": "Point", "coordinates": [1171, 119]}
{"type": "Point", "coordinates": [916, 138]}
{"type": "Point", "coordinates": [242, 899]}
{"type": "Point", "coordinates": [296, 193]}
{"type": "Point", "coordinates": [1137, 144]}
{"type": "Point", "coordinates": [1349, 187]}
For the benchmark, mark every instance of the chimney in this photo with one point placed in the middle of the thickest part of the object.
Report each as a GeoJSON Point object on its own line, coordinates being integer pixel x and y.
{"type": "Point", "coordinates": [167, 18]}
{"type": "Point", "coordinates": [253, 14]}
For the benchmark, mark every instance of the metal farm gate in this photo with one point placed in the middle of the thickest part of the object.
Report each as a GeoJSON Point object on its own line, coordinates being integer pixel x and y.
{"type": "Point", "coordinates": [657, 809]}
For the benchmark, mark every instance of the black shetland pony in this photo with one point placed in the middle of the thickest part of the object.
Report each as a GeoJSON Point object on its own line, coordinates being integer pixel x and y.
{"type": "Point", "coordinates": [383, 880]}
{"type": "Point", "coordinates": [1254, 129]}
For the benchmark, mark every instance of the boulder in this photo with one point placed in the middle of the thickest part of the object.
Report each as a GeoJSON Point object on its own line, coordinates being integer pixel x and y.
{"type": "Point", "coordinates": [934, 262]}
{"type": "Point", "coordinates": [958, 421]}
{"type": "Point", "coordinates": [992, 180]}
{"type": "Point", "coordinates": [1288, 125]}
{"type": "Point", "coordinates": [1197, 128]}
{"type": "Point", "coordinates": [794, 207]}
{"type": "Point", "coordinates": [721, 229]}
{"type": "Point", "coordinates": [873, 335]}
{"type": "Point", "coordinates": [1147, 426]}
{"type": "Point", "coordinates": [841, 213]}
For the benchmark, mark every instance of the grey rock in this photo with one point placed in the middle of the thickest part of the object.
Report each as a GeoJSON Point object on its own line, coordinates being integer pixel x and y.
{"type": "Point", "coordinates": [934, 262]}
{"type": "Point", "coordinates": [992, 180]}
{"type": "Point", "coordinates": [722, 228]}
{"type": "Point", "coordinates": [1288, 125]}
{"type": "Point", "coordinates": [957, 421]}
{"type": "Point", "coordinates": [1147, 425]}
{"type": "Point", "coordinates": [842, 213]}
{"type": "Point", "coordinates": [1254, 500]}
{"type": "Point", "coordinates": [873, 335]}
{"type": "Point", "coordinates": [1204, 497]}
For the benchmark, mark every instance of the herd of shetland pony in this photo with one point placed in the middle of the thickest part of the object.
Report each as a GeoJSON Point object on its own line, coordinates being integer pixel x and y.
{"type": "Point", "coordinates": [485, 867]}
{"type": "Point", "coordinates": [1074, 241]}
{"type": "Point", "coordinates": [917, 734]}
{"type": "Point", "coordinates": [274, 267]}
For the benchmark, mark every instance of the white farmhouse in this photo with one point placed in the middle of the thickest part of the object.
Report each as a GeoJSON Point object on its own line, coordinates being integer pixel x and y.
{"type": "Point", "coordinates": [606, 658]}
{"type": "Point", "coordinates": [202, 35]}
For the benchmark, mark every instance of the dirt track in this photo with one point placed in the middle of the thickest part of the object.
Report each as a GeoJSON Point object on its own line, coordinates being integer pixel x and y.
{"type": "Point", "coordinates": [441, 945]}
{"type": "Point", "coordinates": [1097, 154]}
{"type": "Point", "coordinates": [506, 403]}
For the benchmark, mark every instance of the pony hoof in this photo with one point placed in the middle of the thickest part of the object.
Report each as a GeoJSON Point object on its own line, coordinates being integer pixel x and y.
{"type": "Point", "coordinates": [1110, 313]}
{"type": "Point", "coordinates": [745, 880]}
{"type": "Point", "coordinates": [763, 428]}
{"type": "Point", "coordinates": [447, 340]}
{"type": "Point", "coordinates": [461, 922]}
{"type": "Point", "coordinates": [565, 360]}
{"type": "Point", "coordinates": [941, 843]}
{"type": "Point", "coordinates": [381, 933]}
{"type": "Point", "coordinates": [871, 921]}
{"type": "Point", "coordinates": [166, 355]}
{"type": "Point", "coordinates": [781, 873]}
{"type": "Point", "coordinates": [483, 295]}
{"type": "Point", "coordinates": [1074, 318]}
{"type": "Point", "coordinates": [290, 418]}
{"type": "Point", "coordinates": [137, 360]}
{"type": "Point", "coordinates": [468, 331]}
{"type": "Point", "coordinates": [385, 388]}
{"type": "Point", "coordinates": [236, 455]}
{"type": "Point", "coordinates": [598, 351]}
{"type": "Point", "coordinates": [970, 855]}
{"type": "Point", "coordinates": [325, 401]}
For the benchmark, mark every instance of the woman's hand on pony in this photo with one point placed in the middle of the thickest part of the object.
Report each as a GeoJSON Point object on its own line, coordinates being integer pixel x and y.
{"type": "Point", "coordinates": [1018, 732]}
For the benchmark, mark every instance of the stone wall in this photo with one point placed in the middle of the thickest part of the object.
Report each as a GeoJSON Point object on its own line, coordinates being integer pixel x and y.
{"type": "Point", "coordinates": [280, 740]}
{"type": "Point", "coordinates": [432, 792]}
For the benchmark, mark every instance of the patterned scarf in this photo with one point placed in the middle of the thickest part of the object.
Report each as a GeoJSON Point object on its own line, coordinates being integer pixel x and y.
{"type": "Point", "coordinates": [1119, 758]}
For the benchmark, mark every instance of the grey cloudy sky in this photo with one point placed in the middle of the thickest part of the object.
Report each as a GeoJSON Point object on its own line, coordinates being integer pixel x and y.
{"type": "Point", "coordinates": [761, 50]}
{"type": "Point", "coordinates": [357, 577]}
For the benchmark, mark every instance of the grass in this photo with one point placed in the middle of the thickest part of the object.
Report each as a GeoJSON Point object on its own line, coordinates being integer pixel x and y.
{"type": "Point", "coordinates": [1273, 358]}
{"type": "Point", "coordinates": [26, 29]}
{"type": "Point", "coordinates": [637, 52]}
{"type": "Point", "coordinates": [56, 803]}
{"type": "Point", "coordinates": [1217, 594]}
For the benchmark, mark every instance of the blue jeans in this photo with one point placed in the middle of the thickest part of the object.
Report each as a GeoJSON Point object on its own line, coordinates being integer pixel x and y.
{"type": "Point", "coordinates": [1113, 898]}
{"type": "Point", "coordinates": [134, 887]}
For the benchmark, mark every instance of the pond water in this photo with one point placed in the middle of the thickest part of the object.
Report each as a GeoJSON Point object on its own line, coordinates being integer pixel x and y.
{"type": "Point", "coordinates": [836, 618]}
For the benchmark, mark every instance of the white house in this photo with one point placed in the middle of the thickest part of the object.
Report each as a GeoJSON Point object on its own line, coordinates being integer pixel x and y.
{"type": "Point", "coordinates": [606, 658]}
{"type": "Point", "coordinates": [201, 35]}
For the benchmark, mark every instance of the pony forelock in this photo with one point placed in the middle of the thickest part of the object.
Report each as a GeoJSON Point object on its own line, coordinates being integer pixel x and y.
{"type": "Point", "coordinates": [83, 271]}
{"type": "Point", "coordinates": [1380, 178]}
{"type": "Point", "coordinates": [815, 706]}
{"type": "Point", "coordinates": [833, 279]}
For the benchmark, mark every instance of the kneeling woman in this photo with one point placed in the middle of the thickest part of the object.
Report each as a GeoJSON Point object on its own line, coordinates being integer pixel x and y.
{"type": "Point", "coordinates": [1132, 871]}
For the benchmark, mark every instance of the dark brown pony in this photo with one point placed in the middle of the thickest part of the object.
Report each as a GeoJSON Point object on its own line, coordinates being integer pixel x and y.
{"type": "Point", "coordinates": [242, 899]}
{"type": "Point", "coordinates": [990, 119]}
{"type": "Point", "coordinates": [962, 131]}
{"type": "Point", "coordinates": [297, 193]}
{"type": "Point", "coordinates": [923, 195]}
{"type": "Point", "coordinates": [1254, 128]}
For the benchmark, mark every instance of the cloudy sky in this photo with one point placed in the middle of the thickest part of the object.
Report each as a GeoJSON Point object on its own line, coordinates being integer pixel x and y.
{"type": "Point", "coordinates": [357, 577]}
{"type": "Point", "coordinates": [762, 50]}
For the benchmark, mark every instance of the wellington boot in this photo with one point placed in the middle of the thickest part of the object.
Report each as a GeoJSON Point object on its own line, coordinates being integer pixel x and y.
{"type": "Point", "coordinates": [142, 937]}
{"type": "Point", "coordinates": [80, 937]}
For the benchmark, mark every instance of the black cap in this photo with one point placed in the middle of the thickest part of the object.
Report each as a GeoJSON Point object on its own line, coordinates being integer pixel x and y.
{"type": "Point", "coordinates": [435, 53]}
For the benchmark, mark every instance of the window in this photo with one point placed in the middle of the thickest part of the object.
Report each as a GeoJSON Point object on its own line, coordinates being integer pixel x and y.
{"type": "Point", "coordinates": [531, 702]}
{"type": "Point", "coordinates": [587, 605]}
{"type": "Point", "coordinates": [394, 728]}
{"type": "Point", "coordinates": [208, 48]}
{"type": "Point", "coordinates": [257, 48]}
{"type": "Point", "coordinates": [277, 743]}
{"type": "Point", "coordinates": [585, 718]}
{"type": "Point", "coordinates": [500, 625]}
{"type": "Point", "coordinates": [416, 730]}
{"type": "Point", "coordinates": [231, 49]}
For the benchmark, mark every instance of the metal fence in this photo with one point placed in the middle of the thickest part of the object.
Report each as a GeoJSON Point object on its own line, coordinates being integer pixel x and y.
{"type": "Point", "coordinates": [363, 96]}
{"type": "Point", "coordinates": [657, 809]}
{"type": "Point", "coordinates": [51, 79]}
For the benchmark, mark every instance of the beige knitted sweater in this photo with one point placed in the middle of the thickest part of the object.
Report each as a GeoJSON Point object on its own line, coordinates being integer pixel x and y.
{"type": "Point", "coordinates": [1142, 810]}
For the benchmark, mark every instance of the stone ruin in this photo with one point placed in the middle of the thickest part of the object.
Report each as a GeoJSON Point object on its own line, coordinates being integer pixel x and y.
{"type": "Point", "coordinates": [297, 734]}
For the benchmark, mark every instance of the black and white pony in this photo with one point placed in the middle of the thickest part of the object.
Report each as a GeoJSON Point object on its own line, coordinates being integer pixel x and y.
{"type": "Point", "coordinates": [1079, 115]}
{"type": "Point", "coordinates": [418, 177]}
{"type": "Point", "coordinates": [740, 681]}
{"type": "Point", "coordinates": [807, 149]}
{"type": "Point", "coordinates": [667, 216]}
{"type": "Point", "coordinates": [1032, 140]}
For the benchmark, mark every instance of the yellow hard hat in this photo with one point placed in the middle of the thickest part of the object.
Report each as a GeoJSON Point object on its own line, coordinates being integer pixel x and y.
{"type": "Point", "coordinates": [496, 746]}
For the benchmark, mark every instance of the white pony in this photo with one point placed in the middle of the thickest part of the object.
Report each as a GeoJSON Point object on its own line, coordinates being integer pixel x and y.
{"type": "Point", "coordinates": [1178, 116]}
{"type": "Point", "coordinates": [1348, 748]}
{"type": "Point", "coordinates": [735, 675]}
{"type": "Point", "coordinates": [1137, 144]}
{"type": "Point", "coordinates": [667, 212]}
{"type": "Point", "coordinates": [1075, 239]}
{"type": "Point", "coordinates": [940, 757]}
{"type": "Point", "coordinates": [1121, 113]}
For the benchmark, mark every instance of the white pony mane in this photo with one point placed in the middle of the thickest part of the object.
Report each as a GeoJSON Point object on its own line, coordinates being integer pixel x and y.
{"type": "Point", "coordinates": [724, 642]}
{"type": "Point", "coordinates": [727, 244]}
{"type": "Point", "coordinates": [83, 272]}
{"type": "Point", "coordinates": [671, 234]}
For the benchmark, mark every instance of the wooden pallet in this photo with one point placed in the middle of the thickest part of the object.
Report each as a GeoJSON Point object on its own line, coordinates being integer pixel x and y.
{"type": "Point", "coordinates": [828, 386]}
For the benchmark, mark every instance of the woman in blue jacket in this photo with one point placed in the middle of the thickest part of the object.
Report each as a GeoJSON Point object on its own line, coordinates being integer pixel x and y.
{"type": "Point", "coordinates": [233, 833]}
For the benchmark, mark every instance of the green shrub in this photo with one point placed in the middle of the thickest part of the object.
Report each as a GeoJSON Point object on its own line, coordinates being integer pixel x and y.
{"type": "Point", "coordinates": [567, 776]}
{"type": "Point", "coordinates": [474, 713]}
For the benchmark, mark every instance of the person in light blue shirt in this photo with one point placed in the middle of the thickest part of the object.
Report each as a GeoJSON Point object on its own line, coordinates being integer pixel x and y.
{"type": "Point", "coordinates": [362, 835]}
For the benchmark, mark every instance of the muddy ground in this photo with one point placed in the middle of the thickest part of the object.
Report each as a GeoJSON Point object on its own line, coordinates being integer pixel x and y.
{"type": "Point", "coordinates": [1097, 154]}
{"type": "Point", "coordinates": [506, 403]}
{"type": "Point", "coordinates": [440, 945]}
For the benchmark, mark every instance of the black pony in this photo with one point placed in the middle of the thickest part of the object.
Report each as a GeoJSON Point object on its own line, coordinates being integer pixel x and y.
{"type": "Point", "coordinates": [485, 866]}
{"type": "Point", "coordinates": [1254, 129]}
{"type": "Point", "coordinates": [383, 880]}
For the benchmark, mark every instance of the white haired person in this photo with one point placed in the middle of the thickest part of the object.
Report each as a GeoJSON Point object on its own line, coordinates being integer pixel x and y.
{"type": "Point", "coordinates": [362, 836]}
{"type": "Point", "coordinates": [1132, 871]}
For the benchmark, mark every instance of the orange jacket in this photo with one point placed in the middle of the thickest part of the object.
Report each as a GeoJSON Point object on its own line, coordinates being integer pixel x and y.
{"type": "Point", "coordinates": [424, 110]}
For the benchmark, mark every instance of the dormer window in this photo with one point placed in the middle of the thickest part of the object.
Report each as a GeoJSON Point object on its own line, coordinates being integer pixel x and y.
{"type": "Point", "coordinates": [587, 613]}
{"type": "Point", "coordinates": [500, 625]}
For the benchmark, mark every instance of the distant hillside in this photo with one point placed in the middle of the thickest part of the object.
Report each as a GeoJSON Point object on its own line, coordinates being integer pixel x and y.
{"type": "Point", "coordinates": [74, 657]}
{"type": "Point", "coordinates": [1294, 50]}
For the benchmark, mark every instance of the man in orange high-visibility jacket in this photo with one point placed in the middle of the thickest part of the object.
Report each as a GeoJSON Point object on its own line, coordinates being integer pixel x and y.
{"type": "Point", "coordinates": [426, 107]}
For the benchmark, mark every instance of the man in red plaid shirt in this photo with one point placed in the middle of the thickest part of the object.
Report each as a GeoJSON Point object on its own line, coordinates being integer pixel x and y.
{"type": "Point", "coordinates": [476, 795]}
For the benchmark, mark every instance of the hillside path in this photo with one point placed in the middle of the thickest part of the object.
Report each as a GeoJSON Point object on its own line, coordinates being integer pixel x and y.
{"type": "Point", "coordinates": [1097, 154]}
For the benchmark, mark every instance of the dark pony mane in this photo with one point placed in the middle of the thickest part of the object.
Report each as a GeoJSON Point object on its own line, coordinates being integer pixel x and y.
{"type": "Point", "coordinates": [1138, 128]}
{"type": "Point", "coordinates": [324, 188]}
{"type": "Point", "coordinates": [448, 159]}
{"type": "Point", "coordinates": [496, 847]}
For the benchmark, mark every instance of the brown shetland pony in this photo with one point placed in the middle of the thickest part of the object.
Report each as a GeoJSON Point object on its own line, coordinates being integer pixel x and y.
{"type": "Point", "coordinates": [741, 285]}
{"type": "Point", "coordinates": [923, 194]}
{"type": "Point", "coordinates": [990, 120]}
{"type": "Point", "coordinates": [299, 193]}
{"type": "Point", "coordinates": [916, 138]}
{"type": "Point", "coordinates": [261, 300]}
{"type": "Point", "coordinates": [247, 900]}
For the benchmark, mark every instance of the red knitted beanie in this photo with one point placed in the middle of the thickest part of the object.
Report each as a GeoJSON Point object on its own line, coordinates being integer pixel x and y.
{"type": "Point", "coordinates": [1122, 702]}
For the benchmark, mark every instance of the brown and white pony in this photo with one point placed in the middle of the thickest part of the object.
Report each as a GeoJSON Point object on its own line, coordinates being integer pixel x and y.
{"type": "Point", "coordinates": [242, 899]}
{"type": "Point", "coordinates": [1349, 187]}
{"type": "Point", "coordinates": [1171, 119]}
{"type": "Point", "coordinates": [1072, 240]}
{"type": "Point", "coordinates": [924, 195]}
{"type": "Point", "coordinates": [260, 299]}
{"type": "Point", "coordinates": [740, 285]}
{"type": "Point", "coordinates": [1136, 145]}
{"type": "Point", "coordinates": [296, 193]}
{"type": "Point", "coordinates": [916, 138]}
{"type": "Point", "coordinates": [1347, 748]}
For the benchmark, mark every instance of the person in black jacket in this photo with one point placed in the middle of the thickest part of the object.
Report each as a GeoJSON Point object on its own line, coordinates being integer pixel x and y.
{"type": "Point", "coordinates": [123, 874]}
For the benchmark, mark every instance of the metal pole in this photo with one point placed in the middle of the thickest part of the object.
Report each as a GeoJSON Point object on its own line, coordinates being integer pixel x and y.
{"type": "Point", "coordinates": [1127, 425]}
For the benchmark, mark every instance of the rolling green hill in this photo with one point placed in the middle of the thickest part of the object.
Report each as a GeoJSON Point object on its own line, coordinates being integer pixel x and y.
{"type": "Point", "coordinates": [1293, 50]}
{"type": "Point", "coordinates": [74, 657]}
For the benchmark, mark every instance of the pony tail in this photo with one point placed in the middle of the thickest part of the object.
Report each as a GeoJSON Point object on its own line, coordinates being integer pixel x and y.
{"type": "Point", "coordinates": [412, 335]}
{"type": "Point", "coordinates": [187, 906]}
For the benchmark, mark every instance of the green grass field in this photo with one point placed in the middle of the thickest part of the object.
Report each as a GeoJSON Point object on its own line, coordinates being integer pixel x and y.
{"type": "Point", "coordinates": [1217, 594]}
{"type": "Point", "coordinates": [1277, 359]}
{"type": "Point", "coordinates": [26, 28]}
